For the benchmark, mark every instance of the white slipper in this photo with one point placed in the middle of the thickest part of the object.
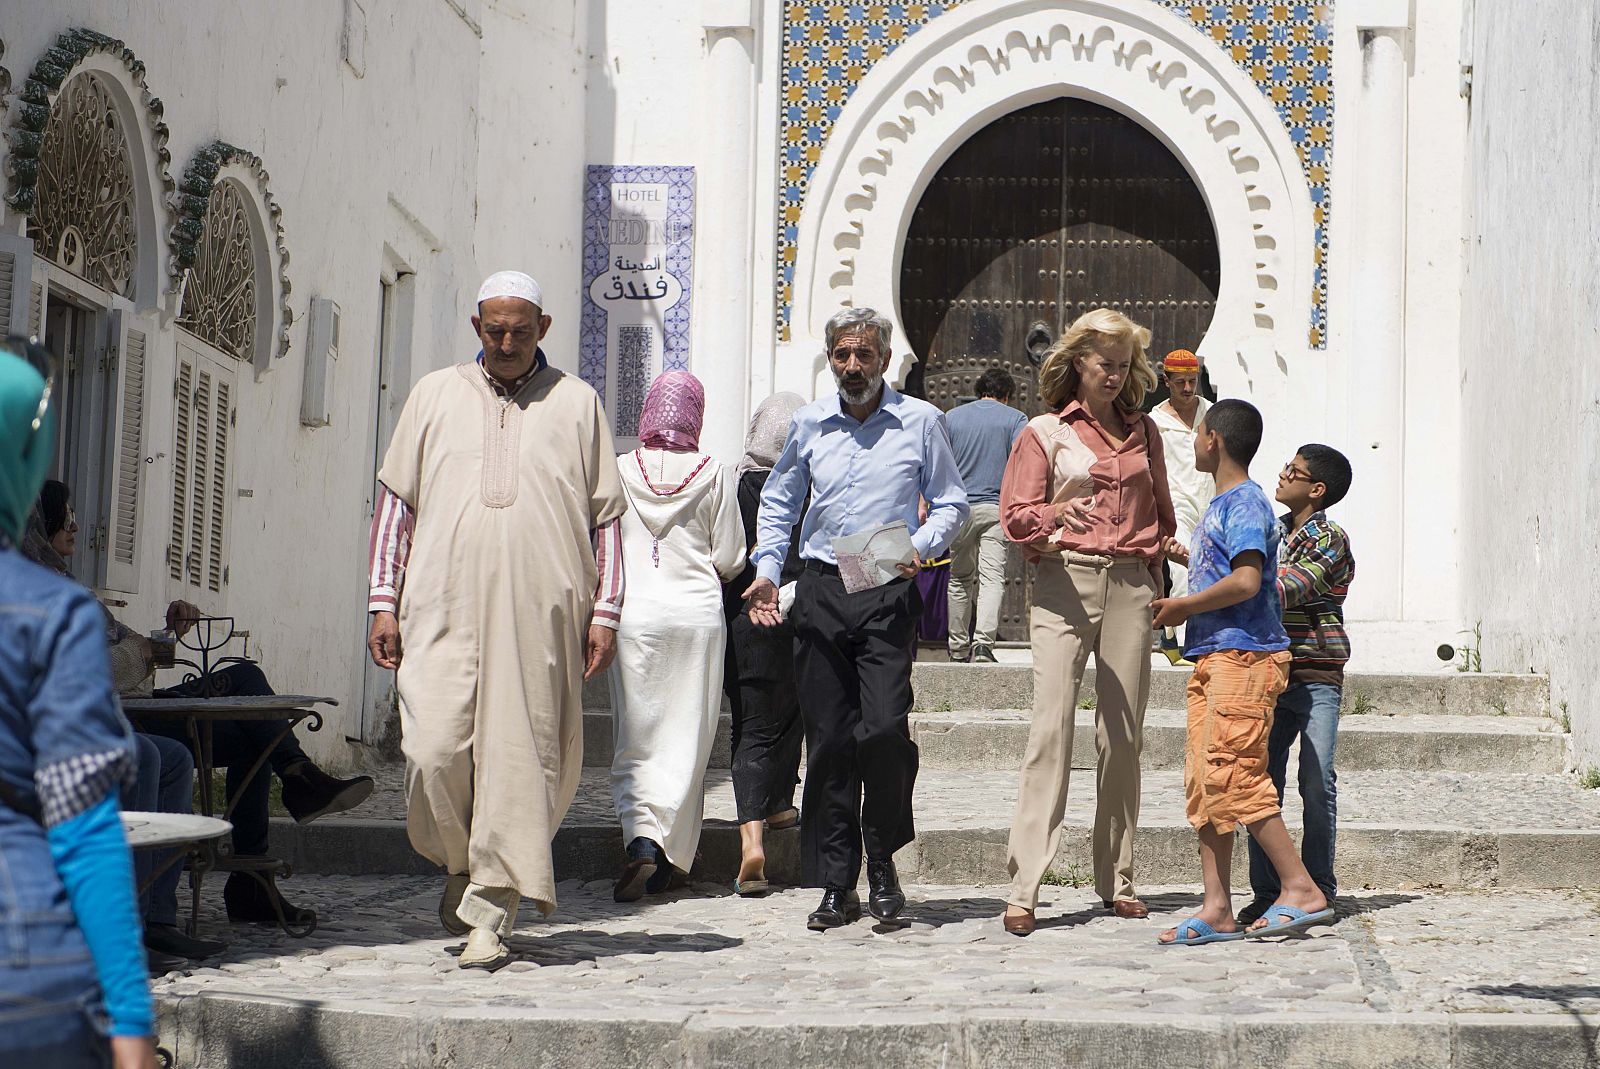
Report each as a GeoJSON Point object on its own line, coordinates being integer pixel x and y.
{"type": "Point", "coordinates": [484, 950]}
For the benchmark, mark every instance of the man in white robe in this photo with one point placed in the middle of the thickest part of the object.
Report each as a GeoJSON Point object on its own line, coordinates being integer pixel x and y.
{"type": "Point", "coordinates": [495, 590]}
{"type": "Point", "coordinates": [1192, 490]}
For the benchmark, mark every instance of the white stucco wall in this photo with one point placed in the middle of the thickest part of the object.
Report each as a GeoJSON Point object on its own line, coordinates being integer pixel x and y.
{"type": "Point", "coordinates": [367, 170]}
{"type": "Point", "coordinates": [1530, 382]}
{"type": "Point", "coordinates": [1403, 603]}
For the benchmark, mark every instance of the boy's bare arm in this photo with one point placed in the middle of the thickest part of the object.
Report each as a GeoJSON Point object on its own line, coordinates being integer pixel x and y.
{"type": "Point", "coordinates": [1238, 586]}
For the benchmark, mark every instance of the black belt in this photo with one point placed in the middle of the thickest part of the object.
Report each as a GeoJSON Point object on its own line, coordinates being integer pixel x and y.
{"type": "Point", "coordinates": [821, 567]}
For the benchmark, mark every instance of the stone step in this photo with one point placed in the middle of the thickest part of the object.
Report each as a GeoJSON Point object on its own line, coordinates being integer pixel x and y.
{"type": "Point", "coordinates": [998, 739]}
{"type": "Point", "coordinates": [696, 979]}
{"type": "Point", "coordinates": [1396, 829]}
{"type": "Point", "coordinates": [946, 687]}
{"type": "Point", "coordinates": [942, 687]}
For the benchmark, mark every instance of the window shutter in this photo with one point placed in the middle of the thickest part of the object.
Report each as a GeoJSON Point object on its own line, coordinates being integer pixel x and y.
{"type": "Point", "coordinates": [217, 497]}
{"type": "Point", "coordinates": [183, 418]}
{"type": "Point", "coordinates": [122, 558]}
{"type": "Point", "coordinates": [200, 475]}
{"type": "Point", "coordinates": [205, 397]}
{"type": "Point", "coordinates": [23, 289]}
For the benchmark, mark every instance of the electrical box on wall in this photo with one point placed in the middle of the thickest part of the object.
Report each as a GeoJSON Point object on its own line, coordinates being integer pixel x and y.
{"type": "Point", "coordinates": [322, 350]}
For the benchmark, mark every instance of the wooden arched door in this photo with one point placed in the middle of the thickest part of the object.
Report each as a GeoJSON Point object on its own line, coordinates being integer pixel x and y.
{"type": "Point", "coordinates": [1042, 215]}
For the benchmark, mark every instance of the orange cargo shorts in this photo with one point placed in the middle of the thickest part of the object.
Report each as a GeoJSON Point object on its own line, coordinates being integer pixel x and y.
{"type": "Point", "coordinates": [1231, 697]}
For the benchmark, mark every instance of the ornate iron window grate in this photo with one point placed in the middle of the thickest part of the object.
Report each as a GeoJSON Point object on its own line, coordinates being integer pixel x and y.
{"type": "Point", "coordinates": [83, 217]}
{"type": "Point", "coordinates": [219, 303]}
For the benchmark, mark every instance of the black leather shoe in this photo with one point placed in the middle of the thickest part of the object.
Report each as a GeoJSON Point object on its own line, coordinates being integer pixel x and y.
{"type": "Point", "coordinates": [309, 792]}
{"type": "Point", "coordinates": [249, 901]}
{"type": "Point", "coordinates": [885, 899]}
{"type": "Point", "coordinates": [838, 908]}
{"type": "Point", "coordinates": [167, 939]}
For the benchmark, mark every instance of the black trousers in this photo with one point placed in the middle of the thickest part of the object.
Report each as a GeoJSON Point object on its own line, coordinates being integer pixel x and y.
{"type": "Point", "coordinates": [235, 744]}
{"type": "Point", "coordinates": [759, 681]}
{"type": "Point", "coordinates": [852, 657]}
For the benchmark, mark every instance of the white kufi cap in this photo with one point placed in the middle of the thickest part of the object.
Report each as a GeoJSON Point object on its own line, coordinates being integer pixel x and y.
{"type": "Point", "coordinates": [511, 284]}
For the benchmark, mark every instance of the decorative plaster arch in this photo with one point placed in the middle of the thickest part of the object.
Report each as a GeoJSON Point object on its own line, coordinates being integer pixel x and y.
{"type": "Point", "coordinates": [222, 162]}
{"type": "Point", "coordinates": [990, 57]}
{"type": "Point", "coordinates": [81, 51]}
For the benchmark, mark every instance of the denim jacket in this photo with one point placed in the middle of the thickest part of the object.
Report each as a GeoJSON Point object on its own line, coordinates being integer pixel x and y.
{"type": "Point", "coordinates": [64, 749]}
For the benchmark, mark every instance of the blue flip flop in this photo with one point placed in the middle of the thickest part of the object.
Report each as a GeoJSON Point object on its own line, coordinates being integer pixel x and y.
{"type": "Point", "coordinates": [1196, 932]}
{"type": "Point", "coordinates": [1282, 920]}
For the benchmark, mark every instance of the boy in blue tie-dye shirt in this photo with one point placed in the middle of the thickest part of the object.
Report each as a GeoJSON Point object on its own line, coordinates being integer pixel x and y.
{"type": "Point", "coordinates": [1235, 637]}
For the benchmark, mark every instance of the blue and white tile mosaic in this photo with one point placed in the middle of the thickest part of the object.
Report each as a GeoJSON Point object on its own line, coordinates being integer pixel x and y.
{"type": "Point", "coordinates": [1286, 48]}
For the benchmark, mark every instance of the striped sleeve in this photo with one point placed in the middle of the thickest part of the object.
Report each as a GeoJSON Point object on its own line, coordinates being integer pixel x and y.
{"type": "Point", "coordinates": [388, 551]}
{"type": "Point", "coordinates": [609, 587]}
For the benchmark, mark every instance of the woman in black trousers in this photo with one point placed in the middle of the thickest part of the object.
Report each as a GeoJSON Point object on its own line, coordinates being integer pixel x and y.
{"type": "Point", "coordinates": [759, 675]}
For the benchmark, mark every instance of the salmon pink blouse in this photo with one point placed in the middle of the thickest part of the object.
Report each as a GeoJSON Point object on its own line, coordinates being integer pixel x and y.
{"type": "Point", "coordinates": [1132, 510]}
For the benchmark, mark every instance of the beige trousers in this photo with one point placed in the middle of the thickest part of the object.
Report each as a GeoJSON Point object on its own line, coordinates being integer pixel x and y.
{"type": "Point", "coordinates": [490, 907]}
{"type": "Point", "coordinates": [1084, 605]}
{"type": "Point", "coordinates": [977, 559]}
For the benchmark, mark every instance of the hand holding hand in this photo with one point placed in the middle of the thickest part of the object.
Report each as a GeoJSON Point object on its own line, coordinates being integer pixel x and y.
{"type": "Point", "coordinates": [383, 640]}
{"type": "Point", "coordinates": [762, 598]}
{"type": "Point", "coordinates": [602, 650]}
{"type": "Point", "coordinates": [1168, 612]}
{"type": "Point", "coordinates": [1175, 551]}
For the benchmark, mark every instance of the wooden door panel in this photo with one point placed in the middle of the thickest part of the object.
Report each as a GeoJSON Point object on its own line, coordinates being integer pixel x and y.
{"type": "Point", "coordinates": [1046, 213]}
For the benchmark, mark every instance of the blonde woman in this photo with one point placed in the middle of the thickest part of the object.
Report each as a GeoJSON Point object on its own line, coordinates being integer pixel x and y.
{"type": "Point", "coordinates": [1085, 493]}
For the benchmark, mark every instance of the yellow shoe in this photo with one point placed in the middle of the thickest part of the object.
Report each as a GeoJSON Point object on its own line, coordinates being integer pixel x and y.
{"type": "Point", "coordinates": [1176, 658]}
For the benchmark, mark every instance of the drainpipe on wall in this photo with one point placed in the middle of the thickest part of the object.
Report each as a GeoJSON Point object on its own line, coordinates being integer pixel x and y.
{"type": "Point", "coordinates": [723, 243]}
{"type": "Point", "coordinates": [1378, 297]}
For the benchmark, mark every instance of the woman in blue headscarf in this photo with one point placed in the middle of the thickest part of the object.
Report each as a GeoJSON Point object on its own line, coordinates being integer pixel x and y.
{"type": "Point", "coordinates": [74, 991]}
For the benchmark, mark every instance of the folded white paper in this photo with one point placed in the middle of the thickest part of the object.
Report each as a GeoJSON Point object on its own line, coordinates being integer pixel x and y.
{"type": "Point", "coordinates": [868, 558]}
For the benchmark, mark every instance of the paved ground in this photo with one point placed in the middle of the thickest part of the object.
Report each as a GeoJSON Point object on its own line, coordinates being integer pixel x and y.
{"type": "Point", "coordinates": [379, 943]}
{"type": "Point", "coordinates": [698, 977]}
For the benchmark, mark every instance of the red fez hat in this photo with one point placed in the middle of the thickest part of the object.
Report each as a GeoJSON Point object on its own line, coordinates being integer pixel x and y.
{"type": "Point", "coordinates": [1181, 360]}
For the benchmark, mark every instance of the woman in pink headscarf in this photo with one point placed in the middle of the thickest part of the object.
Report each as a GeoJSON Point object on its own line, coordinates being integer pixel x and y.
{"type": "Point", "coordinates": [681, 539]}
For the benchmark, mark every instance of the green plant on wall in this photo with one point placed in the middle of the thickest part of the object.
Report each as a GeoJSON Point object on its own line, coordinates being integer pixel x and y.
{"type": "Point", "coordinates": [1471, 652]}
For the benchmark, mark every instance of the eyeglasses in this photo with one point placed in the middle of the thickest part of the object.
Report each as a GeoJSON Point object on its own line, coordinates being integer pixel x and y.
{"type": "Point", "coordinates": [1294, 474]}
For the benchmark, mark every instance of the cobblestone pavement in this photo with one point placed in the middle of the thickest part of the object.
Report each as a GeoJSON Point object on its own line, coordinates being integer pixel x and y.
{"type": "Point", "coordinates": [379, 946]}
{"type": "Point", "coordinates": [956, 799]}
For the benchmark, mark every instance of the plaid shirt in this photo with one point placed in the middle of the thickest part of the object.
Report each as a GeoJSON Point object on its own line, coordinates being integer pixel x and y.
{"type": "Point", "coordinates": [1315, 567]}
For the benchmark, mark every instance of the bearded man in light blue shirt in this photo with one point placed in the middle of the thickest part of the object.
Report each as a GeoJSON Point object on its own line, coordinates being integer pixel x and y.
{"type": "Point", "coordinates": [867, 455]}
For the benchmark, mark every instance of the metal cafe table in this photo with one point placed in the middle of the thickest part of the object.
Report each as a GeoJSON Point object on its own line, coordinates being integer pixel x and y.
{"type": "Point", "coordinates": [200, 716]}
{"type": "Point", "coordinates": [188, 835]}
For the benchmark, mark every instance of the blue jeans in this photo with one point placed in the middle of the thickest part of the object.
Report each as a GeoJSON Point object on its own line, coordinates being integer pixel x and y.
{"type": "Point", "coordinates": [51, 1013]}
{"type": "Point", "coordinates": [1310, 712]}
{"type": "Point", "coordinates": [165, 785]}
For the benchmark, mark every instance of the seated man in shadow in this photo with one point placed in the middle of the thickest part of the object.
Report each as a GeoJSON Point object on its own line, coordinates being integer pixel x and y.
{"type": "Point", "coordinates": [308, 791]}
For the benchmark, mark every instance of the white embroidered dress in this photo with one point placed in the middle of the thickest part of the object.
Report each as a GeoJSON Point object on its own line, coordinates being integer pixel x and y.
{"type": "Point", "coordinates": [681, 538]}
